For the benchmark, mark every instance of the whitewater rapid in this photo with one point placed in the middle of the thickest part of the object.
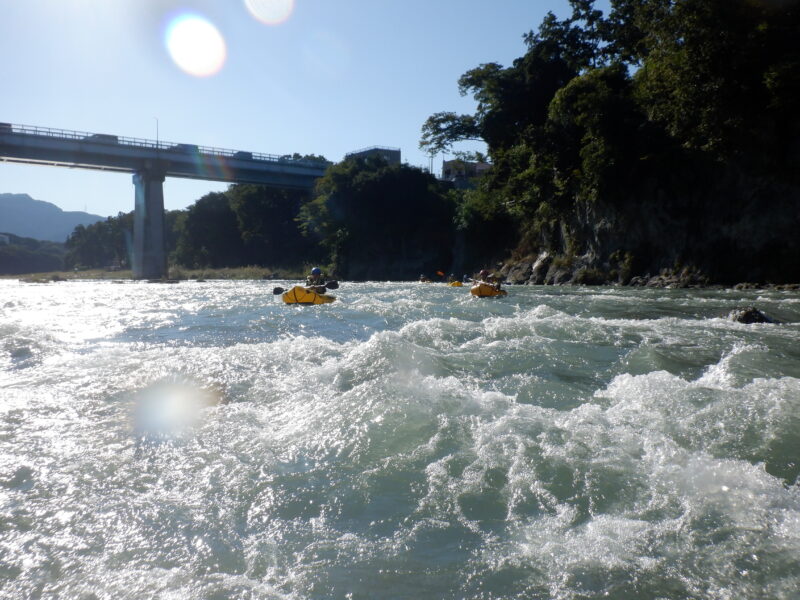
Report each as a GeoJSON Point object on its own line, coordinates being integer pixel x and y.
{"type": "Point", "coordinates": [204, 440]}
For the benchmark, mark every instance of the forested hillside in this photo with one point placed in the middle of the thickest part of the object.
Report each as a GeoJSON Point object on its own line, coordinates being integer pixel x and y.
{"type": "Point", "coordinates": [25, 255]}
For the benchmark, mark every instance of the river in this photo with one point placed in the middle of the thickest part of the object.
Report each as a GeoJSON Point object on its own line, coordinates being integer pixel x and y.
{"type": "Point", "coordinates": [204, 440]}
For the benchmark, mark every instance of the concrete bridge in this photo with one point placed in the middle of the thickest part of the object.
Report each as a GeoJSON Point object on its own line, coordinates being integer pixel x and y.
{"type": "Point", "coordinates": [150, 162]}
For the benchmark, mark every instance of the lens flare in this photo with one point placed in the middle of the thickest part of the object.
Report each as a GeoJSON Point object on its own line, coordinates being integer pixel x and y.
{"type": "Point", "coordinates": [212, 166]}
{"type": "Point", "coordinates": [170, 408]}
{"type": "Point", "coordinates": [196, 46]}
{"type": "Point", "coordinates": [271, 12]}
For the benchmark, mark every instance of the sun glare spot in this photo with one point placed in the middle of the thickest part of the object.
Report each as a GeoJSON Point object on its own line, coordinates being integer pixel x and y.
{"type": "Point", "coordinates": [196, 46]}
{"type": "Point", "coordinates": [168, 409]}
{"type": "Point", "coordinates": [271, 12]}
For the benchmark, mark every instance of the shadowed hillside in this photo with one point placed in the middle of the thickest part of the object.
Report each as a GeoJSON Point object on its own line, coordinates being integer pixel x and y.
{"type": "Point", "coordinates": [24, 255]}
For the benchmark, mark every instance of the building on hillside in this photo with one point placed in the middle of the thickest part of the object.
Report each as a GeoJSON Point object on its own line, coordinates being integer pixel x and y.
{"type": "Point", "coordinates": [460, 172]}
{"type": "Point", "coordinates": [390, 155]}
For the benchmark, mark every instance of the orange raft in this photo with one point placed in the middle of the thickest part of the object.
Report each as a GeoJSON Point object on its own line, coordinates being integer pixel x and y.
{"type": "Point", "coordinates": [300, 295]}
{"type": "Point", "coordinates": [484, 290]}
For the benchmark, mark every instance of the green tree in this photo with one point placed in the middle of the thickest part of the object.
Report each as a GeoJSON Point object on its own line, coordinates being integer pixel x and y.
{"type": "Point", "coordinates": [723, 76]}
{"type": "Point", "coordinates": [380, 221]}
{"type": "Point", "coordinates": [267, 223]}
{"type": "Point", "coordinates": [101, 244]}
{"type": "Point", "coordinates": [514, 101]}
{"type": "Point", "coordinates": [209, 235]}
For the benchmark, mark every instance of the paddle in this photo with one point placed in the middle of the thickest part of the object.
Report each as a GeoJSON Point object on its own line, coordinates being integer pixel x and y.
{"type": "Point", "coordinates": [331, 285]}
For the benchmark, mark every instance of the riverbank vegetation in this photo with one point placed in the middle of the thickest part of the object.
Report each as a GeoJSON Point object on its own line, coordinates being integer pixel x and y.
{"type": "Point", "coordinates": [25, 255]}
{"type": "Point", "coordinates": [657, 144]}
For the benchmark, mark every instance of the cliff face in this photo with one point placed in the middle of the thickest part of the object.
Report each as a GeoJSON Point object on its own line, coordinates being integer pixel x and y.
{"type": "Point", "coordinates": [690, 228]}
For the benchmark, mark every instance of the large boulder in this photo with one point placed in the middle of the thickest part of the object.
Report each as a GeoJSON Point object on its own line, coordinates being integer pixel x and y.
{"type": "Point", "coordinates": [540, 267]}
{"type": "Point", "coordinates": [518, 272]}
{"type": "Point", "coordinates": [749, 314]}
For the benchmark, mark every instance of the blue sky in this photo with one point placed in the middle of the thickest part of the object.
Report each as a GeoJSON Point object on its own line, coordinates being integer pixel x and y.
{"type": "Point", "coordinates": [332, 77]}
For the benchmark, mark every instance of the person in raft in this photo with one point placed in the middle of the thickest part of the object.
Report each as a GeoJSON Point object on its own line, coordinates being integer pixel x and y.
{"type": "Point", "coordinates": [316, 282]}
{"type": "Point", "coordinates": [489, 278]}
{"type": "Point", "coordinates": [424, 279]}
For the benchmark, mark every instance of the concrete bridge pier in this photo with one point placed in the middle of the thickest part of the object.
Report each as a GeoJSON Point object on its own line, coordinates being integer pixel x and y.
{"type": "Point", "coordinates": [149, 254]}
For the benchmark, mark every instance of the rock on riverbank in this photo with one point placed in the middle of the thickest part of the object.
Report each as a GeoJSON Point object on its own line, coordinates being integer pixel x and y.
{"type": "Point", "coordinates": [548, 269]}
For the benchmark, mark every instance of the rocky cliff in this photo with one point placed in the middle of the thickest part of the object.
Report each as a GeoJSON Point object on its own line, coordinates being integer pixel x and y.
{"type": "Point", "coordinates": [722, 227]}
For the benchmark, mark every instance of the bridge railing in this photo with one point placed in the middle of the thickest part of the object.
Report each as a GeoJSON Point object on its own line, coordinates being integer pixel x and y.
{"type": "Point", "coordinates": [103, 138]}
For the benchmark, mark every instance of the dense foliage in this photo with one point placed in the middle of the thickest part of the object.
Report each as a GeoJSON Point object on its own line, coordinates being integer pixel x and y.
{"type": "Point", "coordinates": [664, 134]}
{"type": "Point", "coordinates": [102, 244]}
{"type": "Point", "coordinates": [380, 221]}
{"type": "Point", "coordinates": [208, 234]}
{"type": "Point", "coordinates": [246, 225]}
{"type": "Point", "coordinates": [266, 219]}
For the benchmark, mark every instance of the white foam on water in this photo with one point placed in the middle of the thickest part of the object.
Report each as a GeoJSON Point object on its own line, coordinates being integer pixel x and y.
{"type": "Point", "coordinates": [408, 441]}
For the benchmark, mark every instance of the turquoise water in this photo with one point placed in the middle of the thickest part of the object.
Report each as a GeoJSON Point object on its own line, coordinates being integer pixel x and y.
{"type": "Point", "coordinates": [204, 440]}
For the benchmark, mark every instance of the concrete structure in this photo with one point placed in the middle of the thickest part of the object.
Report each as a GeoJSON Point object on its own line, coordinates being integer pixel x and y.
{"type": "Point", "coordinates": [149, 257]}
{"type": "Point", "coordinates": [390, 155]}
{"type": "Point", "coordinates": [150, 162]}
{"type": "Point", "coordinates": [460, 172]}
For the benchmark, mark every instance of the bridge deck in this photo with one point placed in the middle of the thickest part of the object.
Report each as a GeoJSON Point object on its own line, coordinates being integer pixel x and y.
{"type": "Point", "coordinates": [61, 147]}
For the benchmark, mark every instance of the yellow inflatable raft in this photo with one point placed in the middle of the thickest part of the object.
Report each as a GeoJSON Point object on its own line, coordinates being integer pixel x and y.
{"type": "Point", "coordinates": [484, 289]}
{"type": "Point", "coordinates": [300, 295]}
{"type": "Point", "coordinates": [455, 284]}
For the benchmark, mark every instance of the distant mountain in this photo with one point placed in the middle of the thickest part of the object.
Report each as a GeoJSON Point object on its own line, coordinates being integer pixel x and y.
{"type": "Point", "coordinates": [23, 216]}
